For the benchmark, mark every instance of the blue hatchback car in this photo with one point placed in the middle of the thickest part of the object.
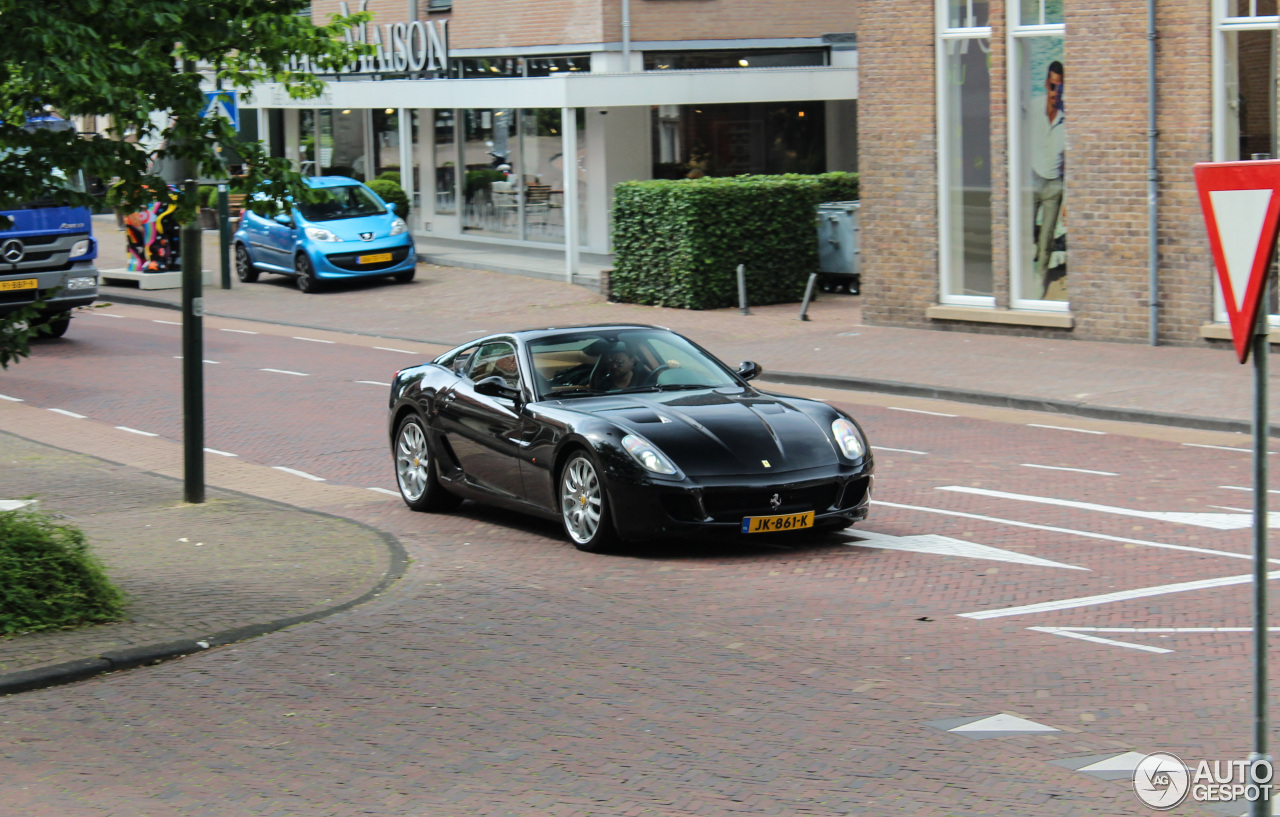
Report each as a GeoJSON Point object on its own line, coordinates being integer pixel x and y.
{"type": "Point", "coordinates": [352, 233]}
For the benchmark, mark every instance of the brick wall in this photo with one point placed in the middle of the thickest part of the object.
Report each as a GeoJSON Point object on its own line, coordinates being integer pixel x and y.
{"type": "Point", "coordinates": [508, 24]}
{"type": "Point", "coordinates": [896, 136]}
{"type": "Point", "coordinates": [731, 19]}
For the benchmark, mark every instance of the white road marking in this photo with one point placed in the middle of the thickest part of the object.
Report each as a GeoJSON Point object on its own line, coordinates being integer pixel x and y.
{"type": "Point", "coordinates": [1003, 723]}
{"type": "Point", "coordinates": [947, 546]}
{"type": "Point", "coordinates": [105, 314]}
{"type": "Point", "coordinates": [373, 383]}
{"type": "Point", "coordinates": [1073, 470]}
{"type": "Point", "coordinates": [170, 323]}
{"type": "Point", "coordinates": [302, 474]}
{"type": "Point", "coordinates": [1216, 521]}
{"type": "Point", "coordinates": [285, 371]}
{"type": "Point", "coordinates": [314, 340]}
{"type": "Point", "coordinates": [1162, 630]}
{"type": "Point", "coordinates": [1096, 640]}
{"type": "Point", "coordinates": [1223, 448]}
{"type": "Point", "coordinates": [389, 349]}
{"type": "Point", "coordinates": [214, 362]}
{"type": "Point", "coordinates": [1242, 488]}
{"type": "Point", "coordinates": [12, 399]}
{"type": "Point", "coordinates": [137, 431]}
{"type": "Point", "coordinates": [1227, 508]}
{"type": "Point", "coordinates": [1067, 428]}
{"type": "Point", "coordinates": [899, 450]}
{"type": "Point", "coordinates": [1083, 533]}
{"type": "Point", "coordinates": [385, 491]}
{"type": "Point", "coordinates": [1111, 598]}
{"type": "Point", "coordinates": [220, 453]}
{"type": "Point", "coordinates": [920, 411]}
{"type": "Point", "coordinates": [68, 413]}
{"type": "Point", "coordinates": [237, 331]}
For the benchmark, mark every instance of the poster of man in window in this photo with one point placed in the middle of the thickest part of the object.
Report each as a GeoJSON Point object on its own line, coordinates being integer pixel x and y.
{"type": "Point", "coordinates": [1046, 141]}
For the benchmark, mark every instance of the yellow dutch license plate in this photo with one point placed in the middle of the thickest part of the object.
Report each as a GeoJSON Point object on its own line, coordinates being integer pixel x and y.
{"type": "Point", "coordinates": [773, 524]}
{"type": "Point", "coordinates": [375, 259]}
{"type": "Point", "coordinates": [25, 283]}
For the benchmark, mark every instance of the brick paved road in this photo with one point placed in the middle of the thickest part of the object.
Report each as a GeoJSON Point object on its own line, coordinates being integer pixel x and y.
{"type": "Point", "coordinates": [509, 674]}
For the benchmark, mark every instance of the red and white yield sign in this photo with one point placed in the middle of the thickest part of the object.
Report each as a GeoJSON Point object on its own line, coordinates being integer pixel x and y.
{"type": "Point", "coordinates": [1241, 204]}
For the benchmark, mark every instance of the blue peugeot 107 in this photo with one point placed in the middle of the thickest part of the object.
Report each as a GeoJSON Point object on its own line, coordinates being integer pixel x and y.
{"type": "Point", "coordinates": [350, 233]}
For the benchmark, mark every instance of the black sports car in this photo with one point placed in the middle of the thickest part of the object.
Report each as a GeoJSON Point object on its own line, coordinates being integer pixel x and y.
{"type": "Point", "coordinates": [622, 432]}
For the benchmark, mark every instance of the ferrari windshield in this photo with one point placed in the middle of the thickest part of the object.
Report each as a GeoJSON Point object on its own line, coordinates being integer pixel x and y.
{"type": "Point", "coordinates": [347, 201]}
{"type": "Point", "coordinates": [613, 361]}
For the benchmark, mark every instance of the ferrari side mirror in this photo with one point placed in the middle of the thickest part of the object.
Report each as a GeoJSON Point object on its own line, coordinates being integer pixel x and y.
{"type": "Point", "coordinates": [749, 370]}
{"type": "Point", "coordinates": [496, 386]}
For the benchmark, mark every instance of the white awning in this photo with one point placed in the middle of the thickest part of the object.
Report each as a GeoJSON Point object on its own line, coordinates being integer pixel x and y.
{"type": "Point", "coordinates": [579, 90]}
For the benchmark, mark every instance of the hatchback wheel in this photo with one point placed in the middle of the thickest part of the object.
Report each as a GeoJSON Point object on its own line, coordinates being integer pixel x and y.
{"type": "Point", "coordinates": [306, 274]}
{"type": "Point", "coordinates": [245, 270]}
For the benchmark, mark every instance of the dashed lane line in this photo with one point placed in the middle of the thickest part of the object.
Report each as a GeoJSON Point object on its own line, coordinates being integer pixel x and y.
{"type": "Point", "coordinates": [214, 362]}
{"type": "Point", "coordinates": [313, 340]}
{"type": "Point", "coordinates": [1082, 533]}
{"type": "Point", "coordinates": [374, 383]}
{"type": "Point", "coordinates": [1111, 598]}
{"type": "Point", "coordinates": [298, 473]}
{"type": "Point", "coordinates": [921, 411]}
{"type": "Point", "coordinates": [67, 413]}
{"type": "Point", "coordinates": [237, 331]}
{"type": "Point", "coordinates": [1072, 470]}
{"type": "Point", "coordinates": [220, 453]}
{"type": "Point", "coordinates": [12, 399]}
{"type": "Point", "coordinates": [168, 323]}
{"type": "Point", "coordinates": [389, 349]}
{"type": "Point", "coordinates": [385, 491]}
{"type": "Point", "coordinates": [1214, 521]}
{"type": "Point", "coordinates": [286, 371]}
{"type": "Point", "coordinates": [104, 314]}
{"type": "Point", "coordinates": [138, 431]}
{"type": "Point", "coordinates": [1067, 428]}
{"type": "Point", "coordinates": [1243, 488]}
{"type": "Point", "coordinates": [1222, 448]}
{"type": "Point", "coordinates": [899, 450]}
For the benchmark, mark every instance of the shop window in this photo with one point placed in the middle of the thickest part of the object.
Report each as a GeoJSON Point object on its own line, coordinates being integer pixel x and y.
{"type": "Point", "coordinates": [691, 141]}
{"type": "Point", "coordinates": [964, 160]}
{"type": "Point", "coordinates": [696, 60]}
{"type": "Point", "coordinates": [1038, 165]}
{"type": "Point", "coordinates": [386, 141]}
{"type": "Point", "coordinates": [446, 152]}
{"type": "Point", "coordinates": [341, 144]}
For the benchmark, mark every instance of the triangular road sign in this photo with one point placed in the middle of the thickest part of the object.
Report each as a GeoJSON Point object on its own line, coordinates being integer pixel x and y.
{"type": "Point", "coordinates": [1241, 204]}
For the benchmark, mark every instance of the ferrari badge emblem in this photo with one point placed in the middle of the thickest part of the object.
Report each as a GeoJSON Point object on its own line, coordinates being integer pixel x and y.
{"type": "Point", "coordinates": [765, 463]}
{"type": "Point", "coordinates": [775, 502]}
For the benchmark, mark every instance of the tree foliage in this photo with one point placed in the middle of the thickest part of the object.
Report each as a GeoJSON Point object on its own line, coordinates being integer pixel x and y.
{"type": "Point", "coordinates": [133, 59]}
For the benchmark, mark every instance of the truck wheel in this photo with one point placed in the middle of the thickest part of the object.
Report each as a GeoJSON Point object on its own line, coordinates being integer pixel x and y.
{"type": "Point", "coordinates": [58, 325]}
{"type": "Point", "coordinates": [245, 270]}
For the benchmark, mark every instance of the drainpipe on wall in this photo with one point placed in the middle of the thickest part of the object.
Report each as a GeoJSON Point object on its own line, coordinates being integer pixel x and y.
{"type": "Point", "coordinates": [626, 36]}
{"type": "Point", "coordinates": [1153, 280]}
{"type": "Point", "coordinates": [413, 10]}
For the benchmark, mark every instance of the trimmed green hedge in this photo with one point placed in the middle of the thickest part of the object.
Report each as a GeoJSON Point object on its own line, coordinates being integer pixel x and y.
{"type": "Point", "coordinates": [48, 577]}
{"type": "Point", "coordinates": [392, 193]}
{"type": "Point", "coordinates": [679, 242]}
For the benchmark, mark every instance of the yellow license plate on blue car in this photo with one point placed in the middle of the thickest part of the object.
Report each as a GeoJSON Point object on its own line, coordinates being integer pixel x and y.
{"type": "Point", "coordinates": [774, 524]}
{"type": "Point", "coordinates": [375, 259]}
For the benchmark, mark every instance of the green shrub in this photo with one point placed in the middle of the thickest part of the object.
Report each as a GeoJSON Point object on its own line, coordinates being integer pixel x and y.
{"type": "Point", "coordinates": [207, 195]}
{"type": "Point", "coordinates": [48, 577]}
{"type": "Point", "coordinates": [392, 193]}
{"type": "Point", "coordinates": [477, 180]}
{"type": "Point", "coordinates": [679, 242]}
{"type": "Point", "coordinates": [389, 176]}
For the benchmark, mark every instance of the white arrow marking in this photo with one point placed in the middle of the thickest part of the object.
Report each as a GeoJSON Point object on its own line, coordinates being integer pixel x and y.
{"type": "Point", "coordinates": [946, 546]}
{"type": "Point", "coordinates": [1240, 215]}
{"type": "Point", "coordinates": [1004, 723]}
{"type": "Point", "coordinates": [1217, 521]}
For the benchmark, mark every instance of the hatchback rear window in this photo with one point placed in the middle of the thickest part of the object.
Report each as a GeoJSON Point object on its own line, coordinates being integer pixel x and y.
{"type": "Point", "coordinates": [348, 201]}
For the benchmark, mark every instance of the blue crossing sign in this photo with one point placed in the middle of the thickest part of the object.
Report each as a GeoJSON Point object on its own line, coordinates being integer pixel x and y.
{"type": "Point", "coordinates": [225, 104]}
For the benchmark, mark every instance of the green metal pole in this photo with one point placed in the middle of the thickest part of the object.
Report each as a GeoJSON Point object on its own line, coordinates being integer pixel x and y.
{"type": "Point", "coordinates": [192, 355]}
{"type": "Point", "coordinates": [224, 235]}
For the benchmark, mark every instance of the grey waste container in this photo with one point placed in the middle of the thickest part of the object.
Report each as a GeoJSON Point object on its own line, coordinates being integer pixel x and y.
{"type": "Point", "coordinates": [839, 261]}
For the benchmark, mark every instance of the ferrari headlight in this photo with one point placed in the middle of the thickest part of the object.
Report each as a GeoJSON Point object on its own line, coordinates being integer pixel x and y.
{"type": "Point", "coordinates": [320, 234]}
{"type": "Point", "coordinates": [847, 437]}
{"type": "Point", "coordinates": [398, 226]}
{"type": "Point", "coordinates": [645, 453]}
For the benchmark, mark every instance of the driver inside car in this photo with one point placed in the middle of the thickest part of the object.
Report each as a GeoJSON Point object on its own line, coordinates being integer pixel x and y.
{"type": "Point", "coordinates": [621, 370]}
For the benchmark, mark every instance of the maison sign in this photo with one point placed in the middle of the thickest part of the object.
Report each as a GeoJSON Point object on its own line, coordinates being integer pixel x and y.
{"type": "Point", "coordinates": [398, 47]}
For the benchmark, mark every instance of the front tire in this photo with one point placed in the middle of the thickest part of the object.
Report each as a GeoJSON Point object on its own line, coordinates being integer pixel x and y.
{"type": "Point", "coordinates": [416, 470]}
{"type": "Point", "coordinates": [245, 270]}
{"type": "Point", "coordinates": [306, 274]}
{"type": "Point", "coordinates": [57, 326]}
{"type": "Point", "coordinates": [406, 276]}
{"type": "Point", "coordinates": [584, 506]}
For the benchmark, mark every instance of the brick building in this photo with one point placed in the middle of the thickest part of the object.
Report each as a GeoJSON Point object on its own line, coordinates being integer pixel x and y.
{"type": "Point", "coordinates": [1005, 148]}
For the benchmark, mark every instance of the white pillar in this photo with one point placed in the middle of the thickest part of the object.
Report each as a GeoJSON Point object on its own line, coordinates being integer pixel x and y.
{"type": "Point", "coordinates": [569, 155]}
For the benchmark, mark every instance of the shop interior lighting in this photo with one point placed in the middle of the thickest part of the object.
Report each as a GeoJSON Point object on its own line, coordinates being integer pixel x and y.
{"type": "Point", "coordinates": [743, 63]}
{"type": "Point", "coordinates": [390, 111]}
{"type": "Point", "coordinates": [346, 112]}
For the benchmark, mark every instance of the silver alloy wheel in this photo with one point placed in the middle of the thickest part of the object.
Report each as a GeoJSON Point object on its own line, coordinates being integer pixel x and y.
{"type": "Point", "coordinates": [581, 500]}
{"type": "Point", "coordinates": [306, 279]}
{"type": "Point", "coordinates": [412, 461]}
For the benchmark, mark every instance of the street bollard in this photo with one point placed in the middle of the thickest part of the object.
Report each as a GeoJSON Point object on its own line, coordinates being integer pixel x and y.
{"type": "Point", "coordinates": [808, 296]}
{"type": "Point", "coordinates": [742, 290]}
{"type": "Point", "coordinates": [224, 235]}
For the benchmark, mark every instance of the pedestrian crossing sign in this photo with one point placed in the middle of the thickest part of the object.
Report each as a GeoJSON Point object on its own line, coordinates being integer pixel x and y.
{"type": "Point", "coordinates": [224, 104]}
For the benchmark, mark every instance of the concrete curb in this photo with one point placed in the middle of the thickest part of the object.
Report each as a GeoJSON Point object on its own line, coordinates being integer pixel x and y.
{"type": "Point", "coordinates": [1010, 401]}
{"type": "Point", "coordinates": [149, 654]}
{"type": "Point", "coordinates": [828, 381]}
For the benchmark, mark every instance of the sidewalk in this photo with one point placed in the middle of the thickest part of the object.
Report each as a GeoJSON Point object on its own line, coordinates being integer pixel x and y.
{"type": "Point", "coordinates": [1197, 387]}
